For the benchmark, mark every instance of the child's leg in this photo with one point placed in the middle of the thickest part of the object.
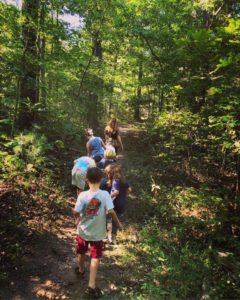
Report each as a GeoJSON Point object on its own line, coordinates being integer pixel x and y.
{"type": "Point", "coordinates": [81, 260]}
{"type": "Point", "coordinates": [82, 247]}
{"type": "Point", "coordinates": [114, 232]}
{"type": "Point", "coordinates": [93, 272]}
{"type": "Point", "coordinates": [114, 225]}
{"type": "Point", "coordinates": [114, 228]}
{"type": "Point", "coordinates": [96, 253]}
{"type": "Point", "coordinates": [116, 149]}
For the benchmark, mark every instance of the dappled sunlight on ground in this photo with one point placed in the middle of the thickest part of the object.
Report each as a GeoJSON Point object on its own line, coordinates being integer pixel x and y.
{"type": "Point", "coordinates": [196, 212]}
{"type": "Point", "coordinates": [47, 270]}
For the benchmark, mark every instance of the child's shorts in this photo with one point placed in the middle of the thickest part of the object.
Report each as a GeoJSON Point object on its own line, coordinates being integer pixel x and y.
{"type": "Point", "coordinates": [96, 247]}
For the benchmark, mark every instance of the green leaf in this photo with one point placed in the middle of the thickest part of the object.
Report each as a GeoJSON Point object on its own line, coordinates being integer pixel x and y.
{"type": "Point", "coordinates": [233, 26]}
{"type": "Point", "coordinates": [5, 122]}
{"type": "Point", "coordinates": [214, 90]}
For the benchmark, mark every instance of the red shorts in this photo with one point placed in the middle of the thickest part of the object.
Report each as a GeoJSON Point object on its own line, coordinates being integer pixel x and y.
{"type": "Point", "coordinates": [96, 247]}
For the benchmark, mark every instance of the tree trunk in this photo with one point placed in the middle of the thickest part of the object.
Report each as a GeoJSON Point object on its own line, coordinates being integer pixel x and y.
{"type": "Point", "coordinates": [16, 107]}
{"type": "Point", "coordinates": [160, 100]}
{"type": "Point", "coordinates": [92, 108]}
{"type": "Point", "coordinates": [28, 85]}
{"type": "Point", "coordinates": [137, 116]}
{"type": "Point", "coordinates": [42, 44]}
{"type": "Point", "coordinates": [110, 104]}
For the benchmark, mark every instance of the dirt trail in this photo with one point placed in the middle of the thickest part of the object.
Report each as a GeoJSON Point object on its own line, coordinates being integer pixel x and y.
{"type": "Point", "coordinates": [49, 264]}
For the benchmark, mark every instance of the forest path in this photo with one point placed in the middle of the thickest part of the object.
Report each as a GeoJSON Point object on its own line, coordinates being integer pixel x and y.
{"type": "Point", "coordinates": [48, 271]}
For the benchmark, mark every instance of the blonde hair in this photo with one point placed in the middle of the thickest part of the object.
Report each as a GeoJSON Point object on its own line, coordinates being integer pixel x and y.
{"type": "Point", "coordinates": [110, 152]}
{"type": "Point", "coordinates": [108, 172]}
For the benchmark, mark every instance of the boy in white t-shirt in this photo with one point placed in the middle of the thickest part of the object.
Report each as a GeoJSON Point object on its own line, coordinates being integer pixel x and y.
{"type": "Point", "coordinates": [90, 214]}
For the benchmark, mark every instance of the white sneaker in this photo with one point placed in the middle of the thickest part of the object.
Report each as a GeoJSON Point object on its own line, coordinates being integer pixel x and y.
{"type": "Point", "coordinates": [106, 240]}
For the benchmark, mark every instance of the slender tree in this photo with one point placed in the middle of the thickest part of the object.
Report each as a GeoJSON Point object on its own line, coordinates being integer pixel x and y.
{"type": "Point", "coordinates": [28, 84]}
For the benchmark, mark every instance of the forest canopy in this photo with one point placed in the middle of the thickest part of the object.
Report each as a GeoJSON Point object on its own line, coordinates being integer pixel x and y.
{"type": "Point", "coordinates": [171, 67]}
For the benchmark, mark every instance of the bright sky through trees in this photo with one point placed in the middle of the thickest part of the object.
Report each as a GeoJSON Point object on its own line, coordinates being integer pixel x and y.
{"type": "Point", "coordinates": [73, 20]}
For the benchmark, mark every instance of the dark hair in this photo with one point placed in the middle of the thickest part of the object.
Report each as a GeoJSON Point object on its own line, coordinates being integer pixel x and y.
{"type": "Point", "coordinates": [97, 158]}
{"type": "Point", "coordinates": [94, 175]}
{"type": "Point", "coordinates": [88, 132]}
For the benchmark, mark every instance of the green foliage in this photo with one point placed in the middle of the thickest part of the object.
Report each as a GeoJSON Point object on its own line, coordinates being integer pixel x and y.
{"type": "Point", "coordinates": [182, 268]}
{"type": "Point", "coordinates": [184, 246]}
{"type": "Point", "coordinates": [191, 242]}
{"type": "Point", "coordinates": [26, 154]}
{"type": "Point", "coordinates": [174, 135]}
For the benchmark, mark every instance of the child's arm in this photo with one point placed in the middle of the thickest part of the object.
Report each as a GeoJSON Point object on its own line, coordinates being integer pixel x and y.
{"type": "Point", "coordinates": [115, 190]}
{"type": "Point", "coordinates": [76, 216]}
{"type": "Point", "coordinates": [88, 149]}
{"type": "Point", "coordinates": [112, 214]}
{"type": "Point", "coordinates": [77, 210]}
{"type": "Point", "coordinates": [114, 194]}
{"type": "Point", "coordinates": [103, 144]}
{"type": "Point", "coordinates": [120, 141]}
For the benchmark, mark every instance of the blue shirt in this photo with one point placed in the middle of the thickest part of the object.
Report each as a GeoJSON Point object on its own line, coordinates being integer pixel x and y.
{"type": "Point", "coordinates": [120, 201]}
{"type": "Point", "coordinates": [96, 148]}
{"type": "Point", "coordinates": [105, 162]}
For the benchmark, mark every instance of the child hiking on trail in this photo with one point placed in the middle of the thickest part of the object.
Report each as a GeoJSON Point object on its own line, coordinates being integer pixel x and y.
{"type": "Point", "coordinates": [109, 157]}
{"type": "Point", "coordinates": [112, 135]}
{"type": "Point", "coordinates": [79, 172]}
{"type": "Point", "coordinates": [95, 146]}
{"type": "Point", "coordinates": [118, 187]}
{"type": "Point", "coordinates": [91, 209]}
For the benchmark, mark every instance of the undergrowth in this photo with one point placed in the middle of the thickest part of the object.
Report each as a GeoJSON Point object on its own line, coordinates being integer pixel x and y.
{"type": "Point", "coordinates": [186, 256]}
{"type": "Point", "coordinates": [32, 195]}
{"type": "Point", "coordinates": [186, 219]}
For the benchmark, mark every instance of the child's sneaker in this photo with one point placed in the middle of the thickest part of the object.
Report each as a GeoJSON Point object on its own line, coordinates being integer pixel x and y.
{"type": "Point", "coordinates": [78, 273]}
{"type": "Point", "coordinates": [92, 293]}
{"type": "Point", "coordinates": [105, 240]}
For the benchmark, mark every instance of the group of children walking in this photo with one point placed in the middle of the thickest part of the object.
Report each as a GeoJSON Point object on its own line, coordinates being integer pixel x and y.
{"type": "Point", "coordinates": [101, 190]}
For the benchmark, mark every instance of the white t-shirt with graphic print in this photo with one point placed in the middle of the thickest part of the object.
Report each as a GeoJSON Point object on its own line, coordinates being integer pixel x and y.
{"type": "Point", "coordinates": [93, 207]}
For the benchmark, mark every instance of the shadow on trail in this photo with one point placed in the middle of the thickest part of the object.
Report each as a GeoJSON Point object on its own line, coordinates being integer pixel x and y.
{"type": "Point", "coordinates": [38, 273]}
{"type": "Point", "coordinates": [46, 270]}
